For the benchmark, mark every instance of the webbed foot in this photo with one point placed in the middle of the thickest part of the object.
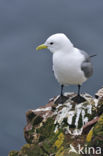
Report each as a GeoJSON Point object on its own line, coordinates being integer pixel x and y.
{"type": "Point", "coordinates": [61, 99]}
{"type": "Point", "coordinates": [78, 99]}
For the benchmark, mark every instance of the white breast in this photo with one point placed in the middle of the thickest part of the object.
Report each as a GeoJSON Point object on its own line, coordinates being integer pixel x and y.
{"type": "Point", "coordinates": [67, 67]}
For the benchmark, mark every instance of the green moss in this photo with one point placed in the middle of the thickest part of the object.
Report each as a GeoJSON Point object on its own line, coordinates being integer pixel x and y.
{"type": "Point", "coordinates": [30, 136]}
{"type": "Point", "coordinates": [47, 129]}
{"type": "Point", "coordinates": [31, 150]}
{"type": "Point", "coordinates": [37, 120]}
{"type": "Point", "coordinates": [91, 116]}
{"type": "Point", "coordinates": [13, 153]}
{"type": "Point", "coordinates": [80, 122]}
{"type": "Point", "coordinates": [65, 123]}
{"type": "Point", "coordinates": [60, 152]}
{"type": "Point", "coordinates": [55, 136]}
{"type": "Point", "coordinates": [100, 107]}
{"type": "Point", "coordinates": [59, 141]}
{"type": "Point", "coordinates": [98, 129]}
{"type": "Point", "coordinates": [97, 136]}
{"type": "Point", "coordinates": [73, 122]}
{"type": "Point", "coordinates": [48, 143]}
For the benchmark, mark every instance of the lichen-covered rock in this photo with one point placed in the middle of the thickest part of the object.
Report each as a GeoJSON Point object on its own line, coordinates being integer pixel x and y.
{"type": "Point", "coordinates": [14, 153]}
{"type": "Point", "coordinates": [95, 136]}
{"type": "Point", "coordinates": [63, 129]}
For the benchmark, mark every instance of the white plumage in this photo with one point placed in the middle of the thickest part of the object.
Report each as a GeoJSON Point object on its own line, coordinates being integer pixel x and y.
{"type": "Point", "coordinates": [67, 60]}
{"type": "Point", "coordinates": [71, 66]}
{"type": "Point", "coordinates": [67, 67]}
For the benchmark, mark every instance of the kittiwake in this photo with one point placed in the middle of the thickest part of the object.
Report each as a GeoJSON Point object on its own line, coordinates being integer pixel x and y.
{"type": "Point", "coordinates": [71, 65]}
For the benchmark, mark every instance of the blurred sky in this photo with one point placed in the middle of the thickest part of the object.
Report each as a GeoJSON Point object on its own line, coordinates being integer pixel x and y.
{"type": "Point", "coordinates": [26, 78]}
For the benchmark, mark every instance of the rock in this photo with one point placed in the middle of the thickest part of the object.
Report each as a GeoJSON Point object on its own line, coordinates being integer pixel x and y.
{"type": "Point", "coordinates": [99, 94]}
{"type": "Point", "coordinates": [95, 136]}
{"type": "Point", "coordinates": [67, 129]}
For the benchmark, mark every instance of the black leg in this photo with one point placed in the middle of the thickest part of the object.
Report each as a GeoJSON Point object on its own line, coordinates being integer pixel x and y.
{"type": "Point", "coordinates": [78, 98]}
{"type": "Point", "coordinates": [79, 86]}
{"type": "Point", "coordinates": [61, 98]}
{"type": "Point", "coordinates": [62, 86]}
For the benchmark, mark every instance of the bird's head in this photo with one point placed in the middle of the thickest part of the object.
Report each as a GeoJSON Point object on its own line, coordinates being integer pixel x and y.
{"type": "Point", "coordinates": [56, 42]}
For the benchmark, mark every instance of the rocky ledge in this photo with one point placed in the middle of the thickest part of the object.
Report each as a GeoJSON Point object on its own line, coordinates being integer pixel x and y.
{"type": "Point", "coordinates": [68, 129]}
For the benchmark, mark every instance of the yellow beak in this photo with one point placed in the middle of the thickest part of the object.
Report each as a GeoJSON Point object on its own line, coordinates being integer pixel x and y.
{"type": "Point", "coordinates": [42, 46]}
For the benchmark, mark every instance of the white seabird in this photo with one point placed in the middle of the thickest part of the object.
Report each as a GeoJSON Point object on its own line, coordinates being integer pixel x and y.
{"type": "Point", "coordinates": [71, 65]}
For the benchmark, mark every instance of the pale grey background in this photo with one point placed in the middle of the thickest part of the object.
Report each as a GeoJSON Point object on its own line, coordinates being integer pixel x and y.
{"type": "Point", "coordinates": [26, 79]}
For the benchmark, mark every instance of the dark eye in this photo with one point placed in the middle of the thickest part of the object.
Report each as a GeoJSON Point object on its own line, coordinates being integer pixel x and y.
{"type": "Point", "coordinates": [51, 43]}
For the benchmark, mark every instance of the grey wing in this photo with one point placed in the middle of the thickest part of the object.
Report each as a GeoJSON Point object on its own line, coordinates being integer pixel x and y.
{"type": "Point", "coordinates": [87, 69]}
{"type": "Point", "coordinates": [86, 65]}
